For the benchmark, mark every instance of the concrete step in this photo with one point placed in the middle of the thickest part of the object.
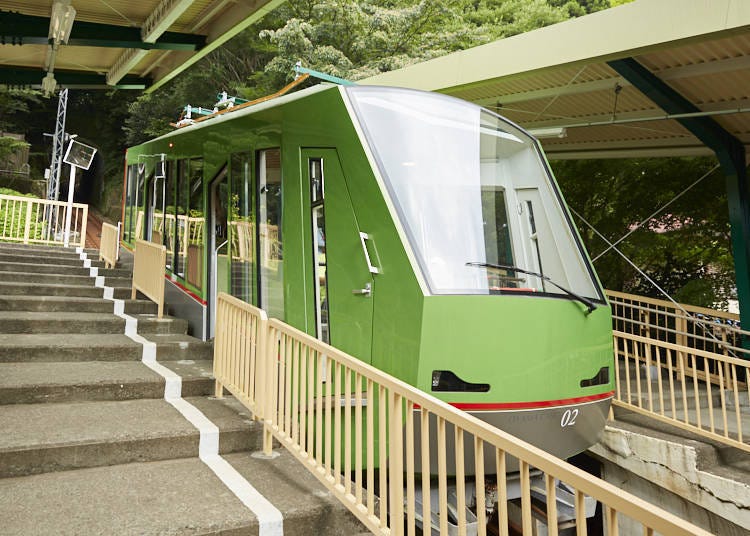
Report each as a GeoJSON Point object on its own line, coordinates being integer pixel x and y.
{"type": "Point", "coordinates": [15, 288]}
{"type": "Point", "coordinates": [52, 251]}
{"type": "Point", "coordinates": [46, 279]}
{"type": "Point", "coordinates": [94, 434]}
{"type": "Point", "coordinates": [33, 322]}
{"type": "Point", "coordinates": [174, 347]}
{"type": "Point", "coordinates": [51, 347]}
{"type": "Point", "coordinates": [55, 304]}
{"type": "Point", "coordinates": [169, 497]}
{"type": "Point", "coordinates": [67, 323]}
{"type": "Point", "coordinates": [150, 324]}
{"type": "Point", "coordinates": [116, 273]}
{"type": "Point", "coordinates": [62, 279]}
{"type": "Point", "coordinates": [31, 383]}
{"type": "Point", "coordinates": [71, 304]}
{"type": "Point", "coordinates": [56, 269]}
{"type": "Point", "coordinates": [36, 258]}
{"type": "Point", "coordinates": [43, 268]}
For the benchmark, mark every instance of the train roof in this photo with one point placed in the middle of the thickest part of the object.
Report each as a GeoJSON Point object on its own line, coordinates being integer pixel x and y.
{"type": "Point", "coordinates": [250, 110]}
{"type": "Point", "coordinates": [292, 97]}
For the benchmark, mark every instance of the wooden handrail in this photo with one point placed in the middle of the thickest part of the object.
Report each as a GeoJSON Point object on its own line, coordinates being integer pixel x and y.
{"type": "Point", "coordinates": [40, 221]}
{"type": "Point", "coordinates": [325, 407]}
{"type": "Point", "coordinates": [109, 245]}
{"type": "Point", "coordinates": [148, 272]}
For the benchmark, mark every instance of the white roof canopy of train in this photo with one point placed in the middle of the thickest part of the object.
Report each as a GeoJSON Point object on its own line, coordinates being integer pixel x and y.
{"type": "Point", "coordinates": [610, 78]}
{"type": "Point", "coordinates": [118, 43]}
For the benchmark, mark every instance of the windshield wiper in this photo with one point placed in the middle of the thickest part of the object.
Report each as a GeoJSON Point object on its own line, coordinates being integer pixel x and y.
{"type": "Point", "coordinates": [590, 306]}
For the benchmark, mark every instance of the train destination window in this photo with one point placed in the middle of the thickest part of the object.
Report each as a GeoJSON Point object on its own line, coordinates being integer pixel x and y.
{"type": "Point", "coordinates": [459, 178]}
{"type": "Point", "coordinates": [320, 275]}
{"type": "Point", "coordinates": [270, 237]}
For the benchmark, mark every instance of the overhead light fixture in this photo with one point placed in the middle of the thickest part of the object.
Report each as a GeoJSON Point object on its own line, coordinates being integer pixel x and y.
{"type": "Point", "coordinates": [49, 84]}
{"type": "Point", "coordinates": [61, 21]}
{"type": "Point", "coordinates": [548, 132]}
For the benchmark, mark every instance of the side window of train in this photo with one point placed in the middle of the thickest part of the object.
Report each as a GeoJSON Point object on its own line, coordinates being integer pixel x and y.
{"type": "Point", "coordinates": [271, 253]}
{"type": "Point", "coordinates": [243, 231]}
{"type": "Point", "coordinates": [320, 276]}
{"type": "Point", "coordinates": [131, 194]}
{"type": "Point", "coordinates": [139, 206]}
{"type": "Point", "coordinates": [194, 226]}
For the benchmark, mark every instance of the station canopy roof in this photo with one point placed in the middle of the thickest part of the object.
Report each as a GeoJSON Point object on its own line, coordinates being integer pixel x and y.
{"type": "Point", "coordinates": [133, 44]}
{"type": "Point", "coordinates": [606, 82]}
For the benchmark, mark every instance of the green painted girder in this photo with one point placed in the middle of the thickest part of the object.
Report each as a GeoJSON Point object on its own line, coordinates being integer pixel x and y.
{"type": "Point", "coordinates": [19, 29]}
{"type": "Point", "coordinates": [731, 155]}
{"type": "Point", "coordinates": [27, 76]}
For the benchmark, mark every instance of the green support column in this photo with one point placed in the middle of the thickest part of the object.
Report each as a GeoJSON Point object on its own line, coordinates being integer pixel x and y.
{"type": "Point", "coordinates": [731, 155]}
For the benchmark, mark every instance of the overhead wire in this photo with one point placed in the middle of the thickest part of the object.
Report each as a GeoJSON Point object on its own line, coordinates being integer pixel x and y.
{"type": "Point", "coordinates": [706, 327]}
{"type": "Point", "coordinates": [652, 216]}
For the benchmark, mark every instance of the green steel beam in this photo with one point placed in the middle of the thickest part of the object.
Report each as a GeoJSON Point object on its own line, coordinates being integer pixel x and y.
{"type": "Point", "coordinates": [30, 76]}
{"type": "Point", "coordinates": [323, 76]}
{"type": "Point", "coordinates": [19, 29]}
{"type": "Point", "coordinates": [731, 155]}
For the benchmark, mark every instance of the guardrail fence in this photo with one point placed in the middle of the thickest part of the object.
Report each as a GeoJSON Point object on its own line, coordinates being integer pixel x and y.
{"type": "Point", "coordinates": [109, 246]}
{"type": "Point", "coordinates": [40, 221]}
{"type": "Point", "coordinates": [369, 439]}
{"type": "Point", "coordinates": [683, 365]}
{"type": "Point", "coordinates": [148, 272]}
{"type": "Point", "coordinates": [714, 331]}
{"type": "Point", "coordinates": [703, 392]}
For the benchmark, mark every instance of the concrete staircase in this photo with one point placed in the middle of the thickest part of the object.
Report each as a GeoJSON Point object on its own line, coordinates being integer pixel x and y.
{"type": "Point", "coordinates": [89, 443]}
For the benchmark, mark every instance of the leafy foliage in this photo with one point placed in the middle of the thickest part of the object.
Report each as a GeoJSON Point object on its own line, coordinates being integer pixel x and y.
{"type": "Point", "coordinates": [685, 249]}
{"type": "Point", "coordinates": [9, 145]}
{"type": "Point", "coordinates": [351, 39]}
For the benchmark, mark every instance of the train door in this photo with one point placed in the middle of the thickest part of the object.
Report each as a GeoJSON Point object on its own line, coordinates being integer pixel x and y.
{"type": "Point", "coordinates": [218, 276]}
{"type": "Point", "coordinates": [341, 267]}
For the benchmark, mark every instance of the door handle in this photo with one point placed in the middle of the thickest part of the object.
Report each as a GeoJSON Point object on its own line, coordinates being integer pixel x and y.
{"type": "Point", "coordinates": [363, 291]}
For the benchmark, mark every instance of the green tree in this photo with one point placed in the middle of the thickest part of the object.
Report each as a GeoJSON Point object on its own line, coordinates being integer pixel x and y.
{"type": "Point", "coordinates": [685, 249]}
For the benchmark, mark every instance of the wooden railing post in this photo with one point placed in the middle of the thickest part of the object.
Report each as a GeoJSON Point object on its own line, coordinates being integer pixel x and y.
{"type": "Point", "coordinates": [148, 272]}
{"type": "Point", "coordinates": [27, 226]}
{"type": "Point", "coordinates": [84, 224]}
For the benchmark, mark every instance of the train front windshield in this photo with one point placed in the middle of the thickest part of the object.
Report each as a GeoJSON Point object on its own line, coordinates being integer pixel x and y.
{"type": "Point", "coordinates": [471, 189]}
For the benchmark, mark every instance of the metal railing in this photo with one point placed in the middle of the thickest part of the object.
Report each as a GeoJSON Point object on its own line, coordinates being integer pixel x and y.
{"type": "Point", "coordinates": [148, 272]}
{"type": "Point", "coordinates": [683, 365]}
{"type": "Point", "coordinates": [700, 391]}
{"type": "Point", "coordinates": [109, 246]}
{"type": "Point", "coordinates": [714, 331]}
{"type": "Point", "coordinates": [343, 419]}
{"type": "Point", "coordinates": [40, 221]}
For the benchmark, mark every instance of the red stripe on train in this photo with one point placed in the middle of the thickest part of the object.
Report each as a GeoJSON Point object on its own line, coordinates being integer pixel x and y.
{"type": "Point", "coordinates": [489, 406]}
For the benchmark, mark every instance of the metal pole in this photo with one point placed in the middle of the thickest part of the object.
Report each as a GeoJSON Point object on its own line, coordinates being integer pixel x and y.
{"type": "Point", "coordinates": [58, 143]}
{"type": "Point", "coordinates": [69, 206]}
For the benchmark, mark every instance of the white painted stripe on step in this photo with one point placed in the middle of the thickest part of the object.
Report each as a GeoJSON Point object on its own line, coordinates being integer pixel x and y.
{"type": "Point", "coordinates": [172, 381]}
{"type": "Point", "coordinates": [87, 263]}
{"type": "Point", "coordinates": [93, 270]}
{"type": "Point", "coordinates": [209, 441]}
{"type": "Point", "coordinates": [270, 519]}
{"type": "Point", "coordinates": [119, 304]}
{"type": "Point", "coordinates": [99, 282]}
{"type": "Point", "coordinates": [79, 249]}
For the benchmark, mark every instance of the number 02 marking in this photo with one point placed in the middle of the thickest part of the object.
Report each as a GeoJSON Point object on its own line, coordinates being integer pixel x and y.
{"type": "Point", "coordinates": [569, 418]}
